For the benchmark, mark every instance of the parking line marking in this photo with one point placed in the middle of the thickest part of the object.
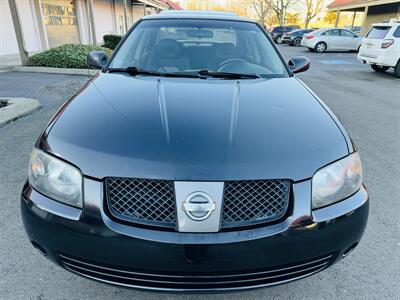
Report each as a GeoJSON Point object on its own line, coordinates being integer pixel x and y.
{"type": "Point", "coordinates": [336, 62]}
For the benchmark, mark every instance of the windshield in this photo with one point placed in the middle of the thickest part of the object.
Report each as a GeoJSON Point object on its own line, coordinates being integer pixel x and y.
{"type": "Point", "coordinates": [170, 46]}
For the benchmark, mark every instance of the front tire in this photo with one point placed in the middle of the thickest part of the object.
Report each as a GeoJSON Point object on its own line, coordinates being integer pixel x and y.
{"type": "Point", "coordinates": [397, 69]}
{"type": "Point", "coordinates": [379, 69]}
{"type": "Point", "coordinates": [320, 47]}
{"type": "Point", "coordinates": [279, 40]}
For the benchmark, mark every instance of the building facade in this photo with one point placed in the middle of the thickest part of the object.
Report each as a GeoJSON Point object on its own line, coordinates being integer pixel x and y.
{"type": "Point", "coordinates": [374, 11]}
{"type": "Point", "coordinates": [50, 23]}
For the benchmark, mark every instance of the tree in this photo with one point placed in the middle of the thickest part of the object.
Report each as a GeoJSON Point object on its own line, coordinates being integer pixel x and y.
{"type": "Point", "coordinates": [262, 9]}
{"type": "Point", "coordinates": [313, 8]}
{"type": "Point", "coordinates": [330, 17]}
{"type": "Point", "coordinates": [280, 7]}
{"type": "Point", "coordinates": [292, 18]}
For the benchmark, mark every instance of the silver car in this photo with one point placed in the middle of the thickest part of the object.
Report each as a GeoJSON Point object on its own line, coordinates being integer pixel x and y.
{"type": "Point", "coordinates": [325, 39]}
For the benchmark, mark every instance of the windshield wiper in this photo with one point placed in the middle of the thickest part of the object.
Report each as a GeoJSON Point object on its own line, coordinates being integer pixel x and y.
{"type": "Point", "coordinates": [228, 75]}
{"type": "Point", "coordinates": [133, 71]}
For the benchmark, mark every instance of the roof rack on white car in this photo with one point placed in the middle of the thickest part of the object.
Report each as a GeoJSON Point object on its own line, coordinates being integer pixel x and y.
{"type": "Point", "coordinates": [198, 12]}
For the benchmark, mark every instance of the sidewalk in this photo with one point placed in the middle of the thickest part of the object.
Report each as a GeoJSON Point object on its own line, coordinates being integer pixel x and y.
{"type": "Point", "coordinates": [9, 60]}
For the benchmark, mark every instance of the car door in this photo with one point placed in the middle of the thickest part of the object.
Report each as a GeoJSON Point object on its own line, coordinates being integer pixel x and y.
{"type": "Point", "coordinates": [349, 40]}
{"type": "Point", "coordinates": [332, 39]}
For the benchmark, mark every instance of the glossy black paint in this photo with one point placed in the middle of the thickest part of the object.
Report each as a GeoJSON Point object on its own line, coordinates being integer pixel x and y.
{"type": "Point", "coordinates": [299, 64]}
{"type": "Point", "coordinates": [92, 240]}
{"type": "Point", "coordinates": [295, 34]}
{"type": "Point", "coordinates": [193, 129]}
{"type": "Point", "coordinates": [96, 59]}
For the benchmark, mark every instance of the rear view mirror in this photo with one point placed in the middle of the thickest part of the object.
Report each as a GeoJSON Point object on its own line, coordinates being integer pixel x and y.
{"type": "Point", "coordinates": [299, 64]}
{"type": "Point", "coordinates": [200, 34]}
{"type": "Point", "coordinates": [96, 59]}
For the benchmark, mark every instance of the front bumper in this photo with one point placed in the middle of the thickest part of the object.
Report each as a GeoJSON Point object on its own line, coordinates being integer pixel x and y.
{"type": "Point", "coordinates": [89, 243]}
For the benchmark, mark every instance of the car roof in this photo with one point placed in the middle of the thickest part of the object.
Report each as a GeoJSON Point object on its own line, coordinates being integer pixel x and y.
{"type": "Point", "coordinates": [197, 14]}
{"type": "Point", "coordinates": [335, 28]}
{"type": "Point", "coordinates": [391, 24]}
{"type": "Point", "coordinates": [286, 26]}
{"type": "Point", "coordinates": [303, 29]}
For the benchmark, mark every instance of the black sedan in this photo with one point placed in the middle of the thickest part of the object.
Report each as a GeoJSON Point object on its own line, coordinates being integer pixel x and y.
{"type": "Point", "coordinates": [195, 160]}
{"type": "Point", "coordinates": [294, 37]}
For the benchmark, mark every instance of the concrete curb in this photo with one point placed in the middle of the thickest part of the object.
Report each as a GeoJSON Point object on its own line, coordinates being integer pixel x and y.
{"type": "Point", "coordinates": [65, 71]}
{"type": "Point", "coordinates": [16, 108]}
{"type": "Point", "coordinates": [5, 69]}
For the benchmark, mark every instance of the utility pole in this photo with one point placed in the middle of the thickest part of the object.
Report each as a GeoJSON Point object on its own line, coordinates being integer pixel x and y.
{"type": "Point", "coordinates": [354, 18]}
{"type": "Point", "coordinates": [337, 18]}
{"type": "Point", "coordinates": [92, 30]}
{"type": "Point", "coordinates": [18, 32]}
{"type": "Point", "coordinates": [126, 16]}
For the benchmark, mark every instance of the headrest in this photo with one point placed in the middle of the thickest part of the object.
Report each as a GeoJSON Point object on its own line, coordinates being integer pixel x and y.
{"type": "Point", "coordinates": [168, 48]}
{"type": "Point", "coordinates": [226, 50]}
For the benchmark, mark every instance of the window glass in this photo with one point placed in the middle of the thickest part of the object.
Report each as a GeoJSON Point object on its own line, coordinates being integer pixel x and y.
{"type": "Point", "coordinates": [332, 32]}
{"type": "Point", "coordinates": [277, 29]}
{"type": "Point", "coordinates": [378, 32]}
{"type": "Point", "coordinates": [397, 32]}
{"type": "Point", "coordinates": [189, 45]}
{"type": "Point", "coordinates": [347, 33]}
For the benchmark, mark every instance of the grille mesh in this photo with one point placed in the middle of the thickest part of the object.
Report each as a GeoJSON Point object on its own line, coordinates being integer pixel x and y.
{"type": "Point", "coordinates": [249, 202]}
{"type": "Point", "coordinates": [152, 202]}
{"type": "Point", "coordinates": [142, 201]}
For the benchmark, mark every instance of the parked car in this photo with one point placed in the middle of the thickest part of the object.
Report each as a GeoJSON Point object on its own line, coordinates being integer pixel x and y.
{"type": "Point", "coordinates": [195, 160]}
{"type": "Point", "coordinates": [279, 31]}
{"type": "Point", "coordinates": [381, 47]}
{"type": "Point", "coordinates": [331, 39]}
{"type": "Point", "coordinates": [293, 38]}
{"type": "Point", "coordinates": [355, 29]}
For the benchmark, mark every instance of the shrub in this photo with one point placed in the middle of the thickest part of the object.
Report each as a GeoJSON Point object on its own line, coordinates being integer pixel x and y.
{"type": "Point", "coordinates": [111, 41]}
{"type": "Point", "coordinates": [65, 56]}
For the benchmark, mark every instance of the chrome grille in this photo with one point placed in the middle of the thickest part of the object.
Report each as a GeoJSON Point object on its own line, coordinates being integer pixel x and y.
{"type": "Point", "coordinates": [152, 202]}
{"type": "Point", "coordinates": [194, 281]}
{"type": "Point", "coordinates": [254, 201]}
{"type": "Point", "coordinates": [145, 201]}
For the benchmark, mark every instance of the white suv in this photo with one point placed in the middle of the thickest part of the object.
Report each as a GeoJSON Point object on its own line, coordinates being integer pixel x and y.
{"type": "Point", "coordinates": [381, 47]}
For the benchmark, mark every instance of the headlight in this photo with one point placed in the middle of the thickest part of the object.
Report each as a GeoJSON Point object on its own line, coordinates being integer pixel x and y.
{"type": "Point", "coordinates": [337, 181]}
{"type": "Point", "coordinates": [56, 179]}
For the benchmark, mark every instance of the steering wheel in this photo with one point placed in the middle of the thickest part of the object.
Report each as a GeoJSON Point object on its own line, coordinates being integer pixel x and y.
{"type": "Point", "coordinates": [231, 61]}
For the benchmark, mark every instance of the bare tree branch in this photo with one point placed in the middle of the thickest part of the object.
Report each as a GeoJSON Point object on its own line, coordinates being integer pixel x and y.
{"type": "Point", "coordinates": [262, 9]}
{"type": "Point", "coordinates": [280, 7]}
{"type": "Point", "coordinates": [313, 8]}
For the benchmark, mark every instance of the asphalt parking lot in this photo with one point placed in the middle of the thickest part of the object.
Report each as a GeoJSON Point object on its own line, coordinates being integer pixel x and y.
{"type": "Point", "coordinates": [367, 103]}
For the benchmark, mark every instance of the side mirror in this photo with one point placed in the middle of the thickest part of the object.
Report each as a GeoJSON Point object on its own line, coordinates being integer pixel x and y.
{"type": "Point", "coordinates": [299, 64]}
{"type": "Point", "coordinates": [96, 59]}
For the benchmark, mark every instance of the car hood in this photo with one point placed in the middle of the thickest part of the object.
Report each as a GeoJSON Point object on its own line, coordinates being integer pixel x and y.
{"type": "Point", "coordinates": [195, 129]}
